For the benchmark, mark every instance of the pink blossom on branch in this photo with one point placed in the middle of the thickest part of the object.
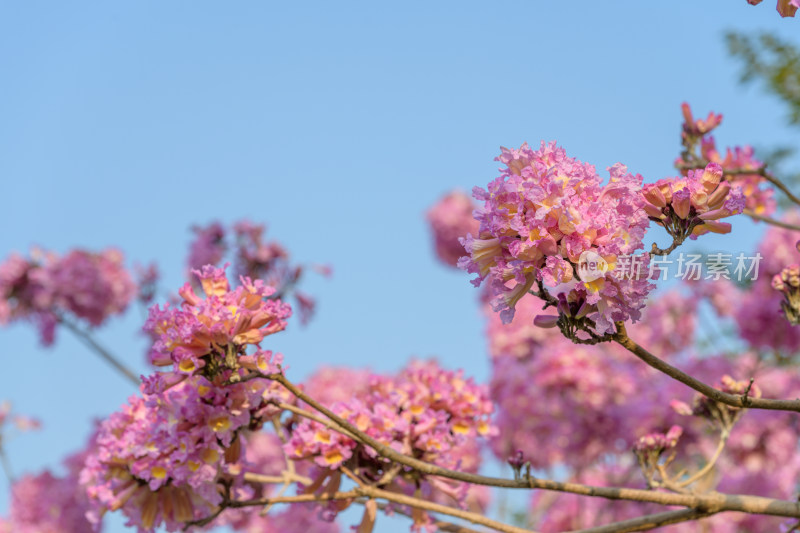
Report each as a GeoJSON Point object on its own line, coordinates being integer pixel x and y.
{"type": "Point", "coordinates": [693, 205]}
{"type": "Point", "coordinates": [699, 147]}
{"type": "Point", "coordinates": [451, 219]}
{"type": "Point", "coordinates": [216, 330]}
{"type": "Point", "coordinates": [88, 286]}
{"type": "Point", "coordinates": [539, 216]}
{"type": "Point", "coordinates": [243, 243]}
{"type": "Point", "coordinates": [423, 411]}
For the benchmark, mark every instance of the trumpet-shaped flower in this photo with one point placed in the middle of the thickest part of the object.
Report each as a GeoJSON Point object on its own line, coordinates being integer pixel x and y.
{"type": "Point", "coordinates": [541, 217]}
{"type": "Point", "coordinates": [693, 205]}
{"type": "Point", "coordinates": [202, 335]}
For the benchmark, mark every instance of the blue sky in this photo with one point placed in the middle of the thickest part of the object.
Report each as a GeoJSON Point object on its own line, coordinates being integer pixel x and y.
{"type": "Point", "coordinates": [124, 123]}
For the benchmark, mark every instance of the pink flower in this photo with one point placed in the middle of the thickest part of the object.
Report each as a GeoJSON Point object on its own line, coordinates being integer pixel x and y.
{"type": "Point", "coordinates": [208, 246]}
{"type": "Point", "coordinates": [451, 219]}
{"type": "Point", "coordinates": [692, 206]}
{"type": "Point", "coordinates": [216, 330]}
{"type": "Point", "coordinates": [757, 199]}
{"type": "Point", "coordinates": [539, 218]}
{"type": "Point", "coordinates": [162, 458]}
{"type": "Point", "coordinates": [89, 286]}
{"type": "Point", "coordinates": [424, 411]}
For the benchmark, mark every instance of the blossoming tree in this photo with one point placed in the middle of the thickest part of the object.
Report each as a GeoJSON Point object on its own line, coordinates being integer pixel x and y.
{"type": "Point", "coordinates": [603, 404]}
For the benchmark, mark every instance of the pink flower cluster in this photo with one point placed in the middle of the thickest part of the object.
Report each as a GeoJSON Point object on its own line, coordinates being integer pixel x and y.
{"type": "Point", "coordinates": [424, 411]}
{"type": "Point", "coordinates": [90, 286]}
{"type": "Point", "coordinates": [741, 159]}
{"type": "Point", "coordinates": [46, 503]}
{"type": "Point", "coordinates": [539, 216]}
{"type": "Point", "coordinates": [760, 457]}
{"type": "Point", "coordinates": [253, 257]}
{"type": "Point", "coordinates": [203, 335]}
{"type": "Point", "coordinates": [739, 163]}
{"type": "Point", "coordinates": [692, 206]}
{"type": "Point", "coordinates": [208, 246]}
{"type": "Point", "coordinates": [451, 219]}
{"type": "Point", "coordinates": [566, 403]}
{"type": "Point", "coordinates": [162, 458]}
{"type": "Point", "coordinates": [757, 309]}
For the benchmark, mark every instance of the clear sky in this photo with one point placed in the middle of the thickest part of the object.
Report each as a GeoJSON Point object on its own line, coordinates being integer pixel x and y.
{"type": "Point", "coordinates": [337, 124]}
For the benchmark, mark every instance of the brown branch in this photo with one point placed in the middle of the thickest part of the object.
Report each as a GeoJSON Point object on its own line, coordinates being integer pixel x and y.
{"type": "Point", "coordinates": [449, 527]}
{"type": "Point", "coordinates": [706, 390]}
{"type": "Point", "coordinates": [779, 184]}
{"type": "Point", "coordinates": [708, 502]}
{"type": "Point", "coordinates": [426, 505]}
{"type": "Point", "coordinates": [760, 171]}
{"type": "Point", "coordinates": [771, 221]}
{"type": "Point", "coordinates": [372, 492]}
{"type": "Point", "coordinates": [644, 523]}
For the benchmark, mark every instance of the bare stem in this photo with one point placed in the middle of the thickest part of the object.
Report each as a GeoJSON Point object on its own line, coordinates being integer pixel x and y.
{"type": "Point", "coordinates": [771, 221]}
{"type": "Point", "coordinates": [710, 464]}
{"type": "Point", "coordinates": [100, 350]}
{"type": "Point", "coordinates": [644, 523]}
{"type": "Point", "coordinates": [6, 464]}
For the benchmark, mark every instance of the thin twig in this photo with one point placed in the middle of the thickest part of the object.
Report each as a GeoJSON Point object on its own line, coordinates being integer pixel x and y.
{"type": "Point", "coordinates": [100, 350]}
{"type": "Point", "coordinates": [771, 221]}
{"type": "Point", "coordinates": [644, 523]}
{"type": "Point", "coordinates": [6, 465]}
{"type": "Point", "coordinates": [710, 464]}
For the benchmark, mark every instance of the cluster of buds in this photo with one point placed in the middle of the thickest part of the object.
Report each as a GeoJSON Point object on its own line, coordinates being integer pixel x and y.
{"type": "Point", "coordinates": [173, 454]}
{"type": "Point", "coordinates": [692, 206]}
{"type": "Point", "coordinates": [719, 414]}
{"type": "Point", "coordinates": [788, 282]}
{"type": "Point", "coordinates": [739, 164]}
{"type": "Point", "coordinates": [650, 447]}
{"type": "Point", "coordinates": [695, 129]}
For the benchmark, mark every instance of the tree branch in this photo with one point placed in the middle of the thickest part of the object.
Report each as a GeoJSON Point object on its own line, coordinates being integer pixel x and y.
{"type": "Point", "coordinates": [643, 523]}
{"type": "Point", "coordinates": [706, 390]}
{"type": "Point", "coordinates": [709, 502]}
{"type": "Point", "coordinates": [771, 221]}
